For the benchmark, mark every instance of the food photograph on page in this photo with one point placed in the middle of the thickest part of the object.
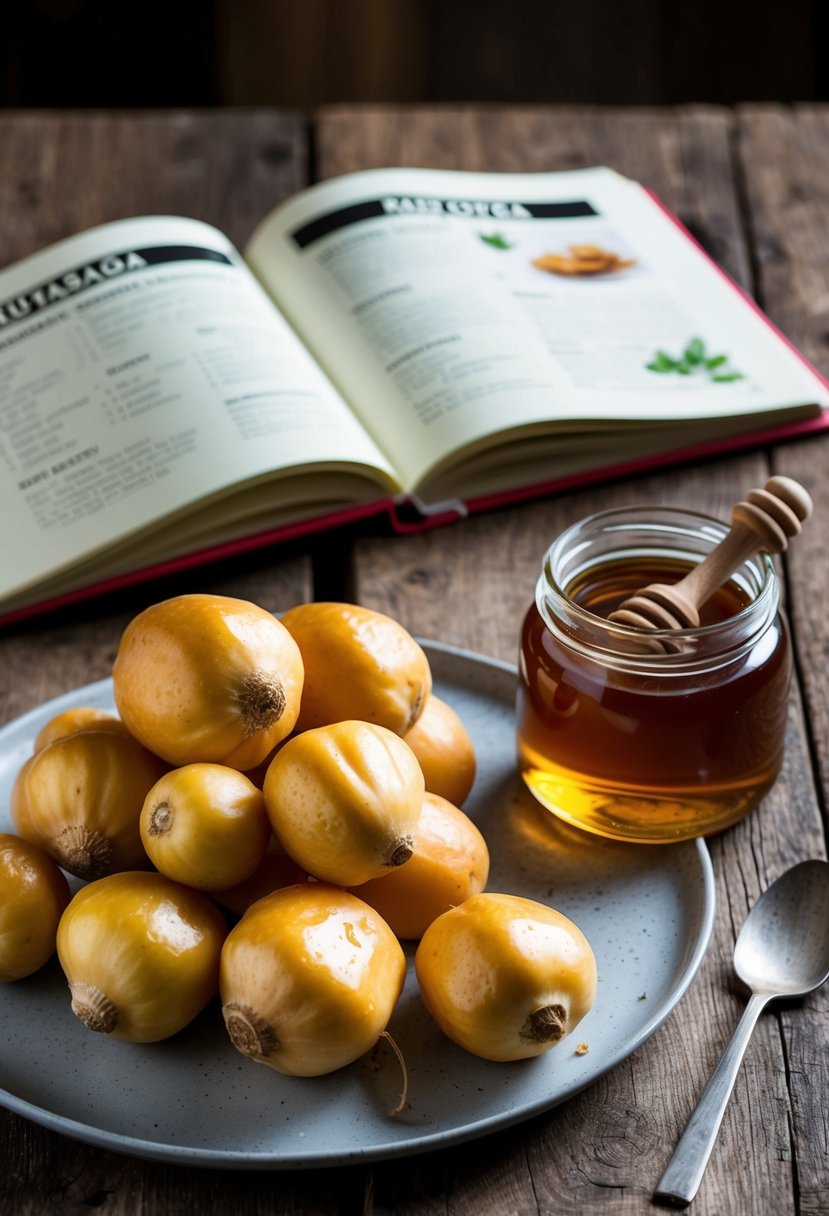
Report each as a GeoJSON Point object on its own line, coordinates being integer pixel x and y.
{"type": "Point", "coordinates": [413, 458]}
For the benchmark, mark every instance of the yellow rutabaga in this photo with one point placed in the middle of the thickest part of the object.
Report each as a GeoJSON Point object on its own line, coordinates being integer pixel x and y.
{"type": "Point", "coordinates": [358, 664]}
{"type": "Point", "coordinates": [208, 678]}
{"type": "Point", "coordinates": [205, 825]}
{"type": "Point", "coordinates": [309, 978]}
{"type": "Point", "coordinates": [344, 801]}
{"type": "Point", "coordinates": [78, 717]}
{"type": "Point", "coordinates": [443, 750]}
{"type": "Point", "coordinates": [504, 976]}
{"type": "Point", "coordinates": [141, 954]}
{"type": "Point", "coordinates": [79, 798]}
{"type": "Point", "coordinates": [33, 895]}
{"type": "Point", "coordinates": [449, 863]}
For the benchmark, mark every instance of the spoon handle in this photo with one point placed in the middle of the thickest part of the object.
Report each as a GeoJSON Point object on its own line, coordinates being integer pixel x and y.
{"type": "Point", "coordinates": [679, 1183]}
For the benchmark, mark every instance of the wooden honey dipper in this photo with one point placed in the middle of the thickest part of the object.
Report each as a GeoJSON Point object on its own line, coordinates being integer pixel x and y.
{"type": "Point", "coordinates": [764, 519]}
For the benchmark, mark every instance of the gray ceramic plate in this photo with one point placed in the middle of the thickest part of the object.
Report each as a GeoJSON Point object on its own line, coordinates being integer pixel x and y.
{"type": "Point", "coordinates": [194, 1100]}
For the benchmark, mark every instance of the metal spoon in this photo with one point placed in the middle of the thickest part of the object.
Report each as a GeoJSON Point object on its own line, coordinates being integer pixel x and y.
{"type": "Point", "coordinates": [782, 951]}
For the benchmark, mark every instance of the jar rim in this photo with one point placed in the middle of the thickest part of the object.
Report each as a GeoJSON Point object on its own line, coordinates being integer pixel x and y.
{"type": "Point", "coordinates": [617, 643]}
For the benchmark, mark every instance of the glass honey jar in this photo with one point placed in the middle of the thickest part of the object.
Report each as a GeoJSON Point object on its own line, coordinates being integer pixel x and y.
{"type": "Point", "coordinates": [639, 745]}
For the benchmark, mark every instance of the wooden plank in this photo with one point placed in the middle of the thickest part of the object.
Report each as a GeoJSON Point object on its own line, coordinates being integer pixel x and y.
{"type": "Point", "coordinates": [43, 1173]}
{"type": "Point", "coordinates": [66, 171]}
{"type": "Point", "coordinates": [784, 156]}
{"type": "Point", "coordinates": [60, 173]}
{"type": "Point", "coordinates": [791, 226]}
{"type": "Point", "coordinates": [470, 585]}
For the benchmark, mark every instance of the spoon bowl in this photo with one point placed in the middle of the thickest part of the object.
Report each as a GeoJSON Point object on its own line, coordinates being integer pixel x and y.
{"type": "Point", "coordinates": [782, 951]}
{"type": "Point", "coordinates": [783, 946]}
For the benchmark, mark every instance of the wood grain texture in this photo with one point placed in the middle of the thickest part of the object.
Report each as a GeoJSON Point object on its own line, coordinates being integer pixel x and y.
{"type": "Point", "coordinates": [790, 216]}
{"type": "Point", "coordinates": [470, 585]}
{"type": "Point", "coordinates": [784, 161]}
{"type": "Point", "coordinates": [66, 171]}
{"type": "Point", "coordinates": [790, 213]}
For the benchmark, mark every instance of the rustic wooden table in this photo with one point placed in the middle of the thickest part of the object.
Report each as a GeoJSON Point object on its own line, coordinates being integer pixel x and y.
{"type": "Point", "coordinates": [751, 185]}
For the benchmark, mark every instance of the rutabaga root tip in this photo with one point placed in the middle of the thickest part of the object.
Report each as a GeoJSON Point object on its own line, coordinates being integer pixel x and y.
{"type": "Point", "coordinates": [546, 1025]}
{"type": "Point", "coordinates": [403, 1100]}
{"type": "Point", "coordinates": [402, 851]}
{"type": "Point", "coordinates": [262, 702]}
{"type": "Point", "coordinates": [93, 1007]}
{"type": "Point", "coordinates": [83, 852]}
{"type": "Point", "coordinates": [161, 819]}
{"type": "Point", "coordinates": [249, 1033]}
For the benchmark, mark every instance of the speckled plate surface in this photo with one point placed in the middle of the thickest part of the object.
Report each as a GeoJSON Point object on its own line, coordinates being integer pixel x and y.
{"type": "Point", "coordinates": [194, 1100]}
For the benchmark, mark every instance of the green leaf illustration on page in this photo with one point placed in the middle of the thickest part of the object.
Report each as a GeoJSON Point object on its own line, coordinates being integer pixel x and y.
{"type": "Point", "coordinates": [694, 352]}
{"type": "Point", "coordinates": [661, 363]}
{"type": "Point", "coordinates": [695, 360]}
{"type": "Point", "coordinates": [495, 240]}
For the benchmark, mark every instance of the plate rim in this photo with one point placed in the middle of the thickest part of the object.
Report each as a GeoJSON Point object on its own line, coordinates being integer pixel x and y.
{"type": "Point", "coordinates": [238, 1159]}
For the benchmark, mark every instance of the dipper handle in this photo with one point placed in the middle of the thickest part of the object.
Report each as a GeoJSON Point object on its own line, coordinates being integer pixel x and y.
{"type": "Point", "coordinates": [764, 519]}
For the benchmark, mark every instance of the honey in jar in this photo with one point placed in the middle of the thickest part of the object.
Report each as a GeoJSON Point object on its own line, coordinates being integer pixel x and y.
{"type": "Point", "coordinates": [643, 746]}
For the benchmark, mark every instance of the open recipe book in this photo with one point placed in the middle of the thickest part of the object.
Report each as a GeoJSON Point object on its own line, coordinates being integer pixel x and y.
{"type": "Point", "coordinates": [418, 342]}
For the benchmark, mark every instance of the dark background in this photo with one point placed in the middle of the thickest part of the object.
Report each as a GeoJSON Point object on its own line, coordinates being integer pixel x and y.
{"type": "Point", "coordinates": [302, 53]}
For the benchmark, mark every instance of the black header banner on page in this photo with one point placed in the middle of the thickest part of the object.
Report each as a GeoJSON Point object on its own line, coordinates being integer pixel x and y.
{"type": "Point", "coordinates": [100, 270]}
{"type": "Point", "coordinates": [498, 209]}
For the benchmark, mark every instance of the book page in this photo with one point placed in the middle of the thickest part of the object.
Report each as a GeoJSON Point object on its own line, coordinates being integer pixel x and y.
{"type": "Point", "coordinates": [142, 370]}
{"type": "Point", "coordinates": [457, 311]}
